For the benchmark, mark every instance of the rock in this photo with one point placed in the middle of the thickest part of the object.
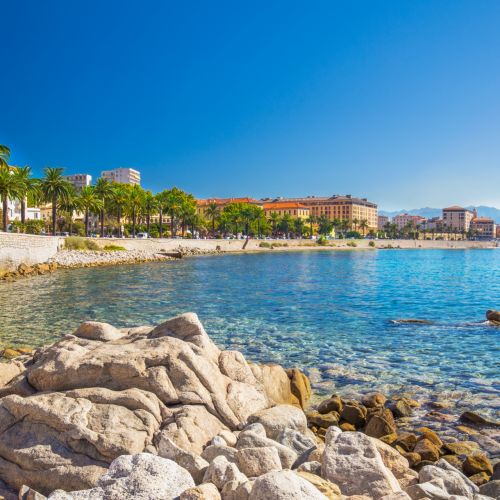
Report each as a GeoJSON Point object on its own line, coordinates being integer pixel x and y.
{"type": "Point", "coordinates": [9, 353]}
{"type": "Point", "coordinates": [454, 461]}
{"type": "Point", "coordinates": [381, 424]}
{"type": "Point", "coordinates": [9, 371]}
{"type": "Point", "coordinates": [212, 451]}
{"type": "Point", "coordinates": [407, 441]}
{"type": "Point", "coordinates": [401, 408]}
{"type": "Point", "coordinates": [228, 437]}
{"type": "Point", "coordinates": [137, 477]}
{"type": "Point", "coordinates": [475, 418]}
{"type": "Point", "coordinates": [412, 457]}
{"type": "Point", "coordinates": [479, 478]}
{"type": "Point", "coordinates": [221, 471]}
{"type": "Point", "coordinates": [432, 490]}
{"type": "Point", "coordinates": [427, 450]}
{"type": "Point", "coordinates": [477, 463]}
{"type": "Point", "coordinates": [324, 420]}
{"type": "Point", "coordinates": [332, 404]}
{"type": "Point", "coordinates": [396, 463]}
{"type": "Point", "coordinates": [234, 365]}
{"type": "Point", "coordinates": [26, 493]}
{"type": "Point", "coordinates": [330, 490]}
{"type": "Point", "coordinates": [206, 491]}
{"type": "Point", "coordinates": [234, 491]}
{"type": "Point", "coordinates": [249, 439]}
{"type": "Point", "coordinates": [275, 382]}
{"type": "Point", "coordinates": [346, 427]}
{"type": "Point", "coordinates": [401, 495]}
{"type": "Point", "coordinates": [463, 448]}
{"type": "Point", "coordinates": [354, 414]}
{"type": "Point", "coordinates": [352, 461]}
{"type": "Point", "coordinates": [193, 463]}
{"type": "Point", "coordinates": [491, 489]}
{"type": "Point", "coordinates": [254, 462]}
{"type": "Point", "coordinates": [295, 440]}
{"type": "Point", "coordinates": [493, 317]}
{"type": "Point", "coordinates": [454, 482]}
{"type": "Point", "coordinates": [389, 439]}
{"type": "Point", "coordinates": [278, 418]}
{"type": "Point", "coordinates": [312, 467]}
{"type": "Point", "coordinates": [7, 493]}
{"type": "Point", "coordinates": [374, 400]}
{"type": "Point", "coordinates": [192, 428]}
{"type": "Point", "coordinates": [284, 485]}
{"type": "Point", "coordinates": [431, 436]}
{"type": "Point", "coordinates": [300, 388]}
{"type": "Point", "coordinates": [94, 330]}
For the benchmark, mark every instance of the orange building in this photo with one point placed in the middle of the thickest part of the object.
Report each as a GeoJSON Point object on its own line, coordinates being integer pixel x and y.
{"type": "Point", "coordinates": [293, 209]}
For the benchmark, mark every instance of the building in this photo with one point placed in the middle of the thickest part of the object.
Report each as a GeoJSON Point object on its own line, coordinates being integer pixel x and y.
{"type": "Point", "coordinates": [483, 228]}
{"type": "Point", "coordinates": [79, 181]}
{"type": "Point", "coordinates": [433, 224]}
{"type": "Point", "coordinates": [122, 176]}
{"type": "Point", "coordinates": [291, 208]}
{"type": "Point", "coordinates": [498, 231]}
{"type": "Point", "coordinates": [202, 205]}
{"type": "Point", "coordinates": [382, 220]}
{"type": "Point", "coordinates": [345, 208]}
{"type": "Point", "coordinates": [457, 218]}
{"type": "Point", "coordinates": [404, 220]}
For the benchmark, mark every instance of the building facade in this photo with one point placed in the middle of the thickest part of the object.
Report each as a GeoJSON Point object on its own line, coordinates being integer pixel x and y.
{"type": "Point", "coordinates": [404, 220]}
{"type": "Point", "coordinates": [382, 220]}
{"type": "Point", "coordinates": [202, 205]}
{"type": "Point", "coordinates": [293, 209]}
{"type": "Point", "coordinates": [122, 176]}
{"type": "Point", "coordinates": [483, 228]}
{"type": "Point", "coordinates": [457, 218]}
{"type": "Point", "coordinates": [79, 181]}
{"type": "Point", "coordinates": [343, 208]}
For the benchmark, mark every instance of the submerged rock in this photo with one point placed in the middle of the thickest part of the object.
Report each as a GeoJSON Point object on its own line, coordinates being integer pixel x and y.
{"type": "Point", "coordinates": [493, 317]}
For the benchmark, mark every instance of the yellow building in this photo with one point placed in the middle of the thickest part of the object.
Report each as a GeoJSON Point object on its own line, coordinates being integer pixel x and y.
{"type": "Point", "coordinates": [291, 208]}
{"type": "Point", "coordinates": [343, 208]}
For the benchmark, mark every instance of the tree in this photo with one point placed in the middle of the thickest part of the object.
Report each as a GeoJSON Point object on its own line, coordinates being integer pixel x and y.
{"type": "Point", "coordinates": [325, 226]}
{"type": "Point", "coordinates": [4, 155]}
{"type": "Point", "coordinates": [151, 205]}
{"type": "Point", "coordinates": [173, 202]}
{"type": "Point", "coordinates": [28, 188]}
{"type": "Point", "coordinates": [90, 203]}
{"type": "Point", "coordinates": [54, 188]}
{"type": "Point", "coordinates": [299, 227]}
{"type": "Point", "coordinates": [311, 220]}
{"type": "Point", "coordinates": [104, 191]}
{"type": "Point", "coordinates": [212, 212]}
{"type": "Point", "coordinates": [160, 204]}
{"type": "Point", "coordinates": [119, 199]}
{"type": "Point", "coordinates": [186, 211]}
{"type": "Point", "coordinates": [274, 218]}
{"type": "Point", "coordinates": [135, 202]}
{"type": "Point", "coordinates": [285, 224]}
{"type": "Point", "coordinates": [70, 205]}
{"type": "Point", "coordinates": [363, 225]}
{"type": "Point", "coordinates": [9, 188]}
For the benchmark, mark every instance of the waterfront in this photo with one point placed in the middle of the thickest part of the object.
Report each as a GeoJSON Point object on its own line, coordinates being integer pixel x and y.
{"type": "Point", "coordinates": [328, 312]}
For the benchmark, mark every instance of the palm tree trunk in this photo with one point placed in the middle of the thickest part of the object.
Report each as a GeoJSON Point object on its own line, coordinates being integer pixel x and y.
{"type": "Point", "coordinates": [161, 222]}
{"type": "Point", "coordinates": [102, 223]}
{"type": "Point", "coordinates": [119, 221]}
{"type": "Point", "coordinates": [54, 215]}
{"type": "Point", "coordinates": [148, 220]}
{"type": "Point", "coordinates": [133, 222]}
{"type": "Point", "coordinates": [5, 217]}
{"type": "Point", "coordinates": [172, 226]}
{"type": "Point", "coordinates": [23, 211]}
{"type": "Point", "coordinates": [213, 227]}
{"type": "Point", "coordinates": [87, 223]}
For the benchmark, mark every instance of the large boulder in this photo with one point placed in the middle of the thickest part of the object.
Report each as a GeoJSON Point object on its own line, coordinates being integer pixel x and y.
{"type": "Point", "coordinates": [352, 461]}
{"type": "Point", "coordinates": [9, 371]}
{"type": "Point", "coordinates": [281, 417]}
{"type": "Point", "coordinates": [284, 485]}
{"type": "Point", "coordinates": [300, 387]}
{"type": "Point", "coordinates": [136, 477]}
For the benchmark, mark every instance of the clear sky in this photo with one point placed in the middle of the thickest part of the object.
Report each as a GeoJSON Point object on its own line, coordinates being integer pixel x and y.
{"type": "Point", "coordinates": [398, 101]}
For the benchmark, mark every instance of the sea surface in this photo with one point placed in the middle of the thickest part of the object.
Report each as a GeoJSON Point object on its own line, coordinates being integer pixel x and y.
{"type": "Point", "coordinates": [332, 313]}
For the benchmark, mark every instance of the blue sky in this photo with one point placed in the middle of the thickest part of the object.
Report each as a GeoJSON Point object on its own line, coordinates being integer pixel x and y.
{"type": "Point", "coordinates": [398, 100]}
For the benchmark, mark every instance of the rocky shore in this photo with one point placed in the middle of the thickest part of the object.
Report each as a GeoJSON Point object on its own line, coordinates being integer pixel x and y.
{"type": "Point", "coordinates": [162, 413]}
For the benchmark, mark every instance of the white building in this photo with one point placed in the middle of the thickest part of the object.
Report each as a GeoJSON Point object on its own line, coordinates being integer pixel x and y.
{"type": "Point", "coordinates": [14, 211]}
{"type": "Point", "coordinates": [79, 180]}
{"type": "Point", "coordinates": [122, 176]}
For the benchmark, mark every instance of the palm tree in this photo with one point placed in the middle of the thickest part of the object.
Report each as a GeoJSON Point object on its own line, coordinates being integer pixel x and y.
{"type": "Point", "coordinates": [28, 188]}
{"type": "Point", "coordinates": [150, 204]}
{"type": "Point", "coordinates": [54, 188]}
{"type": "Point", "coordinates": [355, 223]}
{"type": "Point", "coordinates": [274, 218]}
{"type": "Point", "coordinates": [135, 202]}
{"type": "Point", "coordinates": [212, 211]}
{"type": "Point", "coordinates": [119, 199]}
{"type": "Point", "coordinates": [299, 227]}
{"type": "Point", "coordinates": [90, 202]}
{"type": "Point", "coordinates": [4, 155]}
{"type": "Point", "coordinates": [104, 191]}
{"type": "Point", "coordinates": [363, 225]}
{"type": "Point", "coordinates": [70, 205]}
{"type": "Point", "coordinates": [160, 204]}
{"type": "Point", "coordinates": [173, 202]}
{"type": "Point", "coordinates": [311, 220]}
{"type": "Point", "coordinates": [9, 188]}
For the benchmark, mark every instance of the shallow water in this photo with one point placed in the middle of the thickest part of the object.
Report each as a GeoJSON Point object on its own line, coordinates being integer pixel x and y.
{"type": "Point", "coordinates": [329, 313]}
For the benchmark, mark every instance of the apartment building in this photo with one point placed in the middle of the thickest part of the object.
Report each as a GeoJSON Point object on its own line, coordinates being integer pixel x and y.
{"type": "Point", "coordinates": [457, 218]}
{"type": "Point", "coordinates": [382, 220]}
{"type": "Point", "coordinates": [483, 228]}
{"type": "Point", "coordinates": [403, 220]}
{"type": "Point", "coordinates": [79, 181]}
{"type": "Point", "coordinates": [341, 207]}
{"type": "Point", "coordinates": [293, 209]}
{"type": "Point", "coordinates": [122, 176]}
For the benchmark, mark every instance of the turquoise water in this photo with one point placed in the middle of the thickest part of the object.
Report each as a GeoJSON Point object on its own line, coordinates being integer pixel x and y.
{"type": "Point", "coordinates": [327, 312]}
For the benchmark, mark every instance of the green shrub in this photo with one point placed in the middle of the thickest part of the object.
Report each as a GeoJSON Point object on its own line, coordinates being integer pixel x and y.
{"type": "Point", "coordinates": [265, 244]}
{"type": "Point", "coordinates": [114, 248]}
{"type": "Point", "coordinates": [322, 240]}
{"type": "Point", "coordinates": [278, 245]}
{"type": "Point", "coordinates": [371, 244]}
{"type": "Point", "coordinates": [79, 243]}
{"type": "Point", "coordinates": [352, 244]}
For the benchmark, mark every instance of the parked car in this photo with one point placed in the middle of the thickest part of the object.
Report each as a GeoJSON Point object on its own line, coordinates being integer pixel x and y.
{"type": "Point", "coordinates": [142, 236]}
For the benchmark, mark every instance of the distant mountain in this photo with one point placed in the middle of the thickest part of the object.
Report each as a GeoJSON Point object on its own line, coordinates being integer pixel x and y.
{"type": "Point", "coordinates": [429, 212]}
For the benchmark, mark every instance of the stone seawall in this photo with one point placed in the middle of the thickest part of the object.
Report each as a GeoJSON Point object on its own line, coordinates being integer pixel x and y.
{"type": "Point", "coordinates": [16, 249]}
